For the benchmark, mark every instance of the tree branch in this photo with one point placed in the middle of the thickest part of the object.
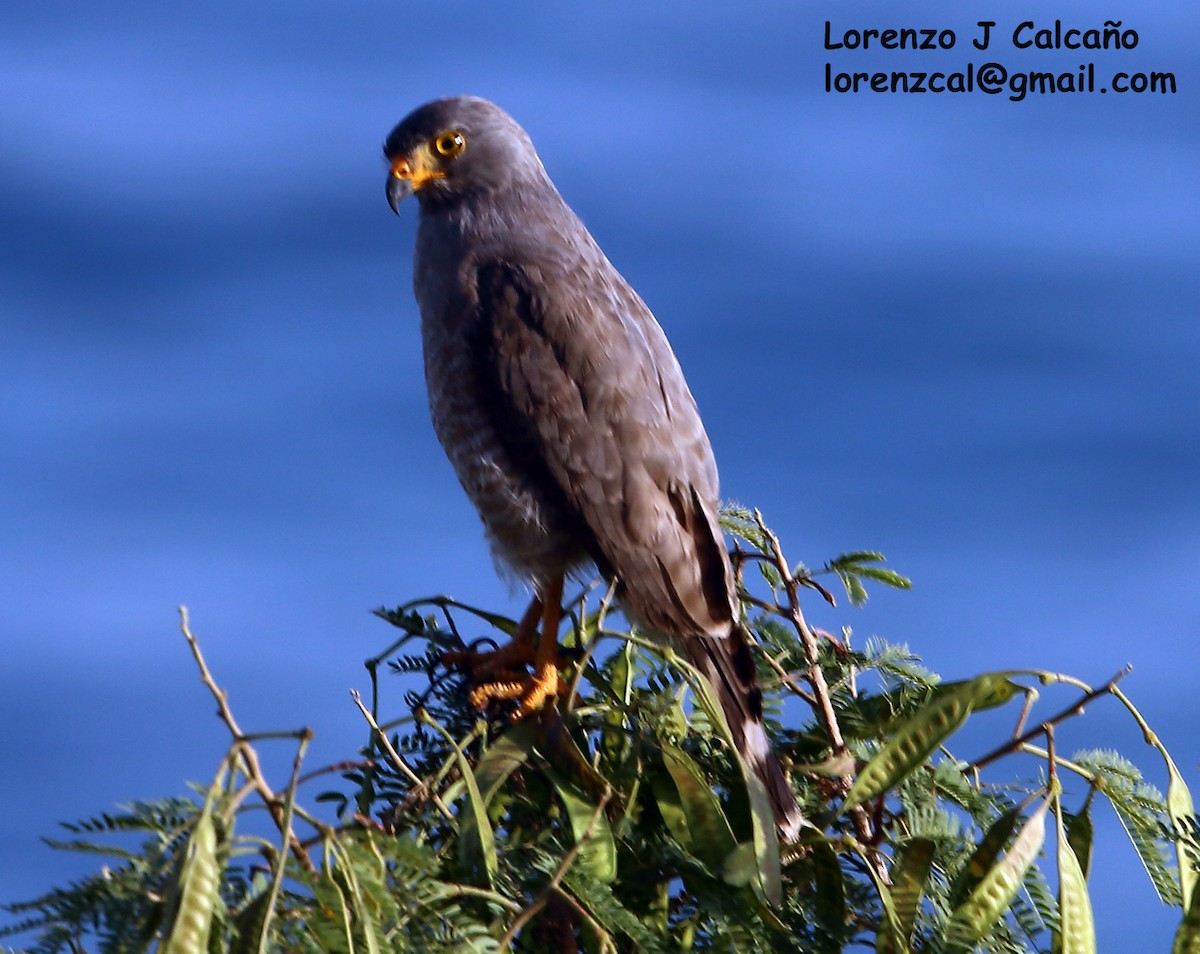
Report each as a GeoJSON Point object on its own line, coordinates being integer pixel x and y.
{"type": "Point", "coordinates": [249, 758]}
{"type": "Point", "coordinates": [1076, 708]}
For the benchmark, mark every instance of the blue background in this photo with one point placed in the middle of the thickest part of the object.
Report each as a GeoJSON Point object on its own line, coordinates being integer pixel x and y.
{"type": "Point", "coordinates": [956, 328]}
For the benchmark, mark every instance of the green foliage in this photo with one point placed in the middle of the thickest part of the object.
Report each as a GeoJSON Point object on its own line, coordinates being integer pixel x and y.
{"type": "Point", "coordinates": [620, 819]}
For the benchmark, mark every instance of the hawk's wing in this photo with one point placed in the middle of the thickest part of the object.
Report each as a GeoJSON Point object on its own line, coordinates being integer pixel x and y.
{"type": "Point", "coordinates": [587, 391]}
{"type": "Point", "coordinates": [589, 397]}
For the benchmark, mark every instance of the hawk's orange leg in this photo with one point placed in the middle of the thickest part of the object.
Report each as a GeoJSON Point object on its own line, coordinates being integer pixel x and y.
{"type": "Point", "coordinates": [528, 645]}
{"type": "Point", "coordinates": [518, 651]}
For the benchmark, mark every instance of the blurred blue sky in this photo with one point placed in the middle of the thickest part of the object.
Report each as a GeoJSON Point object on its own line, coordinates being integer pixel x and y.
{"type": "Point", "coordinates": [956, 328]}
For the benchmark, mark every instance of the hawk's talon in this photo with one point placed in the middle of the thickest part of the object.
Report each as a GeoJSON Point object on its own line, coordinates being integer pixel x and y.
{"type": "Point", "coordinates": [504, 668]}
{"type": "Point", "coordinates": [543, 685]}
{"type": "Point", "coordinates": [531, 691]}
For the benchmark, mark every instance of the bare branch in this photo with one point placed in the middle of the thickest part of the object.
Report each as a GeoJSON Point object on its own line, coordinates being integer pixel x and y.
{"type": "Point", "coordinates": [1076, 708]}
{"type": "Point", "coordinates": [421, 786]}
{"type": "Point", "coordinates": [247, 755]}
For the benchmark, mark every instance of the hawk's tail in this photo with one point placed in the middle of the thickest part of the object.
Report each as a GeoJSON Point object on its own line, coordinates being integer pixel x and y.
{"type": "Point", "coordinates": [728, 664]}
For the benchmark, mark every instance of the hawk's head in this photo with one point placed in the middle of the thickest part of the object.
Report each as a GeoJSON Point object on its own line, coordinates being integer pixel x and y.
{"type": "Point", "coordinates": [453, 147]}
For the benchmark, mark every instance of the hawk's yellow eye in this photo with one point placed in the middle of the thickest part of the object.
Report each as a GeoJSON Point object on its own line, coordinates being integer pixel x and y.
{"type": "Point", "coordinates": [450, 143]}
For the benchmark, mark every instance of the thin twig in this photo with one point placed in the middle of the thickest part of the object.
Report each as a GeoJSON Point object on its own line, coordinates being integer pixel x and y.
{"type": "Point", "coordinates": [815, 675]}
{"type": "Point", "coordinates": [589, 648]}
{"type": "Point", "coordinates": [762, 604]}
{"type": "Point", "coordinates": [822, 702]}
{"type": "Point", "coordinates": [452, 889]}
{"type": "Point", "coordinates": [357, 822]}
{"type": "Point", "coordinates": [397, 760]}
{"type": "Point", "coordinates": [1076, 708]}
{"type": "Point", "coordinates": [825, 594]}
{"type": "Point", "coordinates": [1026, 707]}
{"type": "Point", "coordinates": [281, 857]}
{"type": "Point", "coordinates": [450, 623]}
{"type": "Point", "coordinates": [789, 680]}
{"type": "Point", "coordinates": [739, 556]}
{"type": "Point", "coordinates": [337, 767]}
{"type": "Point", "coordinates": [1037, 751]}
{"type": "Point", "coordinates": [249, 758]}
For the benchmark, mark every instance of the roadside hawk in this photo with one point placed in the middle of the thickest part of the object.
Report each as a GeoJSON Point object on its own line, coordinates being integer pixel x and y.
{"type": "Point", "coordinates": [565, 415]}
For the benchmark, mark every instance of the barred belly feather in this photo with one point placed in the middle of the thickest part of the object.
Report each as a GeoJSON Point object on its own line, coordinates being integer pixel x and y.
{"type": "Point", "coordinates": [529, 539]}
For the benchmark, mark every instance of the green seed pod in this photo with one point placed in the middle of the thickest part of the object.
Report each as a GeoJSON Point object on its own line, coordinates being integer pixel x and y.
{"type": "Point", "coordinates": [987, 903]}
{"type": "Point", "coordinates": [913, 742]}
{"type": "Point", "coordinates": [199, 880]}
{"type": "Point", "coordinates": [1077, 930]}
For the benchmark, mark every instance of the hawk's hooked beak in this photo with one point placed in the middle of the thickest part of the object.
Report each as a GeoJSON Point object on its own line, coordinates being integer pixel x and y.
{"type": "Point", "coordinates": [409, 173]}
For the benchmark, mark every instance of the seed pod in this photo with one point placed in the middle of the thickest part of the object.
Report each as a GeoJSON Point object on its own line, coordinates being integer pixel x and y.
{"type": "Point", "coordinates": [199, 880]}
{"type": "Point", "coordinates": [913, 742]}
{"type": "Point", "coordinates": [1077, 929]}
{"type": "Point", "coordinates": [987, 903]}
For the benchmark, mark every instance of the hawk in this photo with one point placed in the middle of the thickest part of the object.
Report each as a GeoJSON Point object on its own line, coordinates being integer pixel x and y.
{"type": "Point", "coordinates": [565, 415]}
